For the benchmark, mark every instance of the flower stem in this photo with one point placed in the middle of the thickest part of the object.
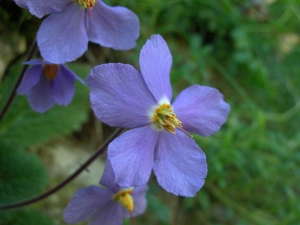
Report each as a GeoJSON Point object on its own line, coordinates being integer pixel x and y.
{"type": "Point", "coordinates": [70, 178]}
{"type": "Point", "coordinates": [32, 52]}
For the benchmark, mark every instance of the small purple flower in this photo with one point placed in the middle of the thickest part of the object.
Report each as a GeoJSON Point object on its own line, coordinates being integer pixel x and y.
{"type": "Point", "coordinates": [46, 84]}
{"type": "Point", "coordinates": [63, 36]}
{"type": "Point", "coordinates": [158, 137]}
{"type": "Point", "coordinates": [108, 205]}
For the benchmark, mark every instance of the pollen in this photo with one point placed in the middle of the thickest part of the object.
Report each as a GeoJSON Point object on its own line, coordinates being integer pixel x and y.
{"type": "Point", "coordinates": [163, 117]}
{"type": "Point", "coordinates": [125, 199]}
{"type": "Point", "coordinates": [86, 3]}
{"type": "Point", "coordinates": [50, 71]}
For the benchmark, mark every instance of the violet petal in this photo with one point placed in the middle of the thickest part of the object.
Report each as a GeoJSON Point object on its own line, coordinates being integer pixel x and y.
{"type": "Point", "coordinates": [179, 164]}
{"type": "Point", "coordinates": [201, 109]}
{"type": "Point", "coordinates": [111, 214]}
{"type": "Point", "coordinates": [31, 77]}
{"type": "Point", "coordinates": [67, 70]}
{"type": "Point", "coordinates": [114, 27]}
{"type": "Point", "coordinates": [34, 62]}
{"type": "Point", "coordinates": [40, 8]}
{"type": "Point", "coordinates": [155, 63]}
{"type": "Point", "coordinates": [62, 36]}
{"type": "Point", "coordinates": [108, 178]}
{"type": "Point", "coordinates": [131, 156]}
{"type": "Point", "coordinates": [39, 96]}
{"type": "Point", "coordinates": [63, 88]}
{"type": "Point", "coordinates": [85, 202]}
{"type": "Point", "coordinates": [119, 96]}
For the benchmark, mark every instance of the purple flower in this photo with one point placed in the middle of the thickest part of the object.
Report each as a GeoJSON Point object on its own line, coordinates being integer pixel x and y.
{"type": "Point", "coordinates": [107, 205]}
{"type": "Point", "coordinates": [46, 84]}
{"type": "Point", "coordinates": [158, 137]}
{"type": "Point", "coordinates": [63, 36]}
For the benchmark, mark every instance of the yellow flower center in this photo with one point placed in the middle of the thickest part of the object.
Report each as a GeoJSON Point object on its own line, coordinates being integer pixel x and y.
{"type": "Point", "coordinates": [50, 71]}
{"type": "Point", "coordinates": [125, 199]}
{"type": "Point", "coordinates": [86, 3]}
{"type": "Point", "coordinates": [163, 117]}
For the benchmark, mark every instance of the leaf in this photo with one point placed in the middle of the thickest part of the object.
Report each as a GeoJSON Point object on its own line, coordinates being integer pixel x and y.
{"type": "Point", "coordinates": [21, 175]}
{"type": "Point", "coordinates": [24, 217]}
{"type": "Point", "coordinates": [158, 208]}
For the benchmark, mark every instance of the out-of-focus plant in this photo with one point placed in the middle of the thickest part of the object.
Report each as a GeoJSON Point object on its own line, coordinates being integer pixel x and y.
{"type": "Point", "coordinates": [249, 50]}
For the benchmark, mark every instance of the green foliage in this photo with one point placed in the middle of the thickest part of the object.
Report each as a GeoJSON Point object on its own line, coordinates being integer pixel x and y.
{"type": "Point", "coordinates": [250, 52]}
{"type": "Point", "coordinates": [158, 208]}
{"type": "Point", "coordinates": [22, 175]}
{"type": "Point", "coordinates": [24, 217]}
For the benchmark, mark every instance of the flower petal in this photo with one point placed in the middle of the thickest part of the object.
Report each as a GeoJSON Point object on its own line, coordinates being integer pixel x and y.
{"type": "Point", "coordinates": [30, 78]}
{"type": "Point", "coordinates": [201, 109]}
{"type": "Point", "coordinates": [155, 63]}
{"type": "Point", "coordinates": [85, 202]}
{"type": "Point", "coordinates": [131, 156]}
{"type": "Point", "coordinates": [40, 8]}
{"type": "Point", "coordinates": [39, 96]}
{"type": "Point", "coordinates": [34, 62]}
{"type": "Point", "coordinates": [108, 178]}
{"type": "Point", "coordinates": [62, 36]}
{"type": "Point", "coordinates": [119, 96]}
{"type": "Point", "coordinates": [67, 70]}
{"type": "Point", "coordinates": [114, 27]}
{"type": "Point", "coordinates": [63, 88]}
{"type": "Point", "coordinates": [179, 164]}
{"type": "Point", "coordinates": [110, 214]}
{"type": "Point", "coordinates": [140, 202]}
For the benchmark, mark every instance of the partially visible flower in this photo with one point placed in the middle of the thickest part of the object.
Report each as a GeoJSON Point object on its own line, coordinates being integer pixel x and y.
{"type": "Point", "coordinates": [108, 205]}
{"type": "Point", "coordinates": [63, 36]}
{"type": "Point", "coordinates": [46, 84]}
{"type": "Point", "coordinates": [158, 137]}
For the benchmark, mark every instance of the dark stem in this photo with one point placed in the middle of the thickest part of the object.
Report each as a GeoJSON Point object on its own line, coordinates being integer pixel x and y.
{"type": "Point", "coordinates": [32, 52]}
{"type": "Point", "coordinates": [70, 178]}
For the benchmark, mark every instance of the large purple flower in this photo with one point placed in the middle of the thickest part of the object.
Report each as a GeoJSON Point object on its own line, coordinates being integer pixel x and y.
{"type": "Point", "coordinates": [158, 137]}
{"type": "Point", "coordinates": [108, 205]}
{"type": "Point", "coordinates": [46, 84]}
{"type": "Point", "coordinates": [63, 36]}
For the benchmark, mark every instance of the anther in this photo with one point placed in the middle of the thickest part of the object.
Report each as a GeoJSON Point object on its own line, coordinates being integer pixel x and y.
{"type": "Point", "coordinates": [164, 117]}
{"type": "Point", "coordinates": [50, 71]}
{"type": "Point", "coordinates": [125, 199]}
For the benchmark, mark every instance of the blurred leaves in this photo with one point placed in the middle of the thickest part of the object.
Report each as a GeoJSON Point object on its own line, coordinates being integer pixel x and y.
{"type": "Point", "coordinates": [250, 51]}
{"type": "Point", "coordinates": [158, 208]}
{"type": "Point", "coordinates": [24, 217]}
{"type": "Point", "coordinates": [22, 175]}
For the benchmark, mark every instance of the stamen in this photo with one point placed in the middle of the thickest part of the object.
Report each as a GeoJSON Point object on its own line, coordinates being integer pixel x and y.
{"type": "Point", "coordinates": [90, 12]}
{"type": "Point", "coordinates": [50, 71]}
{"type": "Point", "coordinates": [89, 4]}
{"type": "Point", "coordinates": [125, 199]}
{"type": "Point", "coordinates": [160, 121]}
{"type": "Point", "coordinates": [163, 117]}
{"type": "Point", "coordinates": [86, 3]}
{"type": "Point", "coordinates": [184, 131]}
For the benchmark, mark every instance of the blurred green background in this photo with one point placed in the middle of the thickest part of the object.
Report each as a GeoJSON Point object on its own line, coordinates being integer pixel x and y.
{"type": "Point", "coordinates": [249, 50]}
